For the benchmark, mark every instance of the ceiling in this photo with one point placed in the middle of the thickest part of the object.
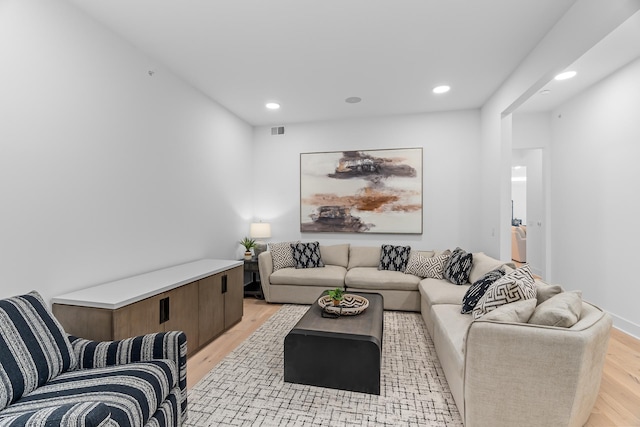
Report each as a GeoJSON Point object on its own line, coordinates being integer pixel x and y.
{"type": "Point", "coordinates": [617, 49]}
{"type": "Point", "coordinates": [311, 55]}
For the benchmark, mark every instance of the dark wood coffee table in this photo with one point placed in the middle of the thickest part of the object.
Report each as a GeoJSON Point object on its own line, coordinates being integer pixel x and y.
{"type": "Point", "coordinates": [343, 353]}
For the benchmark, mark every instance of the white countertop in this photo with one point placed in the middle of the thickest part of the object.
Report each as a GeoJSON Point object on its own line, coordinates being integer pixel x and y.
{"type": "Point", "coordinates": [123, 292]}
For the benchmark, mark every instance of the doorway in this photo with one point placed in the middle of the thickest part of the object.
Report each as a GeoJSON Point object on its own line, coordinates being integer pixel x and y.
{"type": "Point", "coordinates": [527, 195]}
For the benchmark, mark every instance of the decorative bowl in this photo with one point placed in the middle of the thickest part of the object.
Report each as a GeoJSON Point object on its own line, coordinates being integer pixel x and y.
{"type": "Point", "coordinates": [349, 306]}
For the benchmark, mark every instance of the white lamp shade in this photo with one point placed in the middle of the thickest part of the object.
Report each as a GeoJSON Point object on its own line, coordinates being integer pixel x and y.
{"type": "Point", "coordinates": [260, 230]}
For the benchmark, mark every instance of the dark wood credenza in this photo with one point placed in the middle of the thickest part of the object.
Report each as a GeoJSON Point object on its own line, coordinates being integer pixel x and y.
{"type": "Point", "coordinates": [202, 298]}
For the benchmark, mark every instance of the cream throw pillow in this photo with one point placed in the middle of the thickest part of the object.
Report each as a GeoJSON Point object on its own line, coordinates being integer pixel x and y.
{"type": "Point", "coordinates": [516, 312]}
{"type": "Point", "coordinates": [545, 291]}
{"type": "Point", "coordinates": [561, 310]}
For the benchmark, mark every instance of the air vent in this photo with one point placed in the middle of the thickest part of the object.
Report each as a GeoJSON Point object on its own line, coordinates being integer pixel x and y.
{"type": "Point", "coordinates": [278, 130]}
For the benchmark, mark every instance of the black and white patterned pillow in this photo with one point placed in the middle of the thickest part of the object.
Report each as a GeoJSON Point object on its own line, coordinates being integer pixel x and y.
{"type": "Point", "coordinates": [422, 266]}
{"type": "Point", "coordinates": [515, 286]}
{"type": "Point", "coordinates": [307, 255]}
{"type": "Point", "coordinates": [478, 289]}
{"type": "Point", "coordinates": [459, 266]}
{"type": "Point", "coordinates": [394, 258]}
{"type": "Point", "coordinates": [282, 255]}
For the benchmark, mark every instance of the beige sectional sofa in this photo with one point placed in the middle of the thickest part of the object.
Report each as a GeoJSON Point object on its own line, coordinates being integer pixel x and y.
{"type": "Point", "coordinates": [501, 373]}
{"type": "Point", "coordinates": [355, 267]}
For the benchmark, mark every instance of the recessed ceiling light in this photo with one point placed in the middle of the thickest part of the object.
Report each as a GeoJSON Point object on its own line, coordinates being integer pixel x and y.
{"type": "Point", "coordinates": [441, 89]}
{"type": "Point", "coordinates": [353, 100]}
{"type": "Point", "coordinates": [566, 75]}
{"type": "Point", "coordinates": [272, 105]}
{"type": "Point", "coordinates": [544, 92]}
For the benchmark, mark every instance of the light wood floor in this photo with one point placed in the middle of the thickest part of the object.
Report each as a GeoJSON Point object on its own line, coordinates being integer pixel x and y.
{"type": "Point", "coordinates": [618, 402]}
{"type": "Point", "coordinates": [256, 312]}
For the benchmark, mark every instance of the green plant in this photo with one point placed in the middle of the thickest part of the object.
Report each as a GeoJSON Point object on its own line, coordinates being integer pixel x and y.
{"type": "Point", "coordinates": [248, 243]}
{"type": "Point", "coordinates": [336, 294]}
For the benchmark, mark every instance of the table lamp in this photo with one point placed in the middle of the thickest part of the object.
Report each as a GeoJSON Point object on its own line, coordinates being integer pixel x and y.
{"type": "Point", "coordinates": [260, 230]}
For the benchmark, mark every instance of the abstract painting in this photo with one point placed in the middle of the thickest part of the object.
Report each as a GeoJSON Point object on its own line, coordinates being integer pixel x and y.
{"type": "Point", "coordinates": [369, 191]}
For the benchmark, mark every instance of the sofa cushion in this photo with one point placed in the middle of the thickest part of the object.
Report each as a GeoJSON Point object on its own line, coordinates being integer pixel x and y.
{"type": "Point", "coordinates": [132, 392]}
{"type": "Point", "coordinates": [451, 326]}
{"type": "Point", "coordinates": [35, 348]}
{"type": "Point", "coordinates": [515, 312]}
{"type": "Point", "coordinates": [458, 267]}
{"type": "Point", "coordinates": [432, 267]}
{"type": "Point", "coordinates": [545, 291]}
{"type": "Point", "coordinates": [372, 278]}
{"type": "Point", "coordinates": [440, 291]}
{"type": "Point", "coordinates": [282, 255]}
{"type": "Point", "coordinates": [330, 276]}
{"type": "Point", "coordinates": [478, 289]}
{"type": "Point", "coordinates": [335, 254]}
{"type": "Point", "coordinates": [515, 286]}
{"type": "Point", "coordinates": [482, 264]}
{"type": "Point", "coordinates": [394, 258]}
{"type": "Point", "coordinates": [364, 256]}
{"type": "Point", "coordinates": [562, 310]}
{"type": "Point", "coordinates": [307, 255]}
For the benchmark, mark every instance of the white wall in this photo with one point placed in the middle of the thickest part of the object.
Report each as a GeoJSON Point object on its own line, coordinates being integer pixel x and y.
{"type": "Point", "coordinates": [451, 198]}
{"type": "Point", "coordinates": [105, 171]}
{"type": "Point", "coordinates": [584, 24]}
{"type": "Point", "coordinates": [531, 139]}
{"type": "Point", "coordinates": [594, 195]}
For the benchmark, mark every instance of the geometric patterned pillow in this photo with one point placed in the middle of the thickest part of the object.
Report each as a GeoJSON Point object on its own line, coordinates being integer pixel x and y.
{"type": "Point", "coordinates": [459, 266]}
{"type": "Point", "coordinates": [416, 264]}
{"type": "Point", "coordinates": [35, 348]}
{"type": "Point", "coordinates": [478, 289]}
{"type": "Point", "coordinates": [307, 255]}
{"type": "Point", "coordinates": [394, 258]}
{"type": "Point", "coordinates": [282, 255]}
{"type": "Point", "coordinates": [422, 266]}
{"type": "Point", "coordinates": [516, 286]}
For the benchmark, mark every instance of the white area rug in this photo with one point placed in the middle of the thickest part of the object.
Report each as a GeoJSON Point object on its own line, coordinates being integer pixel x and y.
{"type": "Point", "coordinates": [247, 387]}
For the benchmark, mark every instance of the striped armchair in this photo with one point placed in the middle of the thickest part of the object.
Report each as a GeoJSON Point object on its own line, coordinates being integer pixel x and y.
{"type": "Point", "coordinates": [50, 378]}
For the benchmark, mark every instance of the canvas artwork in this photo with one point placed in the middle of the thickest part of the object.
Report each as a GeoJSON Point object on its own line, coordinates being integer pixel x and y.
{"type": "Point", "coordinates": [371, 191]}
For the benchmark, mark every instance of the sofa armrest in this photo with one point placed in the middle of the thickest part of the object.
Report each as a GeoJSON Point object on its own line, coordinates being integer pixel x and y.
{"type": "Point", "coordinates": [265, 265]}
{"type": "Point", "coordinates": [162, 345]}
{"type": "Point", "coordinates": [84, 414]}
{"type": "Point", "coordinates": [521, 374]}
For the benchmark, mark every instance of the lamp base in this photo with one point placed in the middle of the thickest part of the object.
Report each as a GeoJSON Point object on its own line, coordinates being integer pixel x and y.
{"type": "Point", "coordinates": [259, 248]}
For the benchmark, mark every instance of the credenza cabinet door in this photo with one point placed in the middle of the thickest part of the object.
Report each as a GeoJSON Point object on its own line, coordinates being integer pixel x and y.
{"type": "Point", "coordinates": [233, 297]}
{"type": "Point", "coordinates": [139, 318]}
{"type": "Point", "coordinates": [181, 314]}
{"type": "Point", "coordinates": [210, 308]}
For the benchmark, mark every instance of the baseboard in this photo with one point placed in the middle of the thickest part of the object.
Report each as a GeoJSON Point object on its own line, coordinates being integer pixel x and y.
{"type": "Point", "coordinates": [626, 326]}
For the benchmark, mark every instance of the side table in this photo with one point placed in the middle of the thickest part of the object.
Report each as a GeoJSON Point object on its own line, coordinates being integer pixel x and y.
{"type": "Point", "coordinates": [253, 288]}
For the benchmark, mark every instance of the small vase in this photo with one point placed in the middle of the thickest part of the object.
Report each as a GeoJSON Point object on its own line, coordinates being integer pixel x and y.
{"type": "Point", "coordinates": [247, 256]}
{"type": "Point", "coordinates": [336, 302]}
